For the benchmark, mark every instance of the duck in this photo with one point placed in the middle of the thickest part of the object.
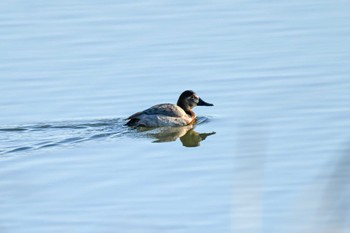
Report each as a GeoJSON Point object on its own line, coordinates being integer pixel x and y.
{"type": "Point", "coordinates": [173, 115]}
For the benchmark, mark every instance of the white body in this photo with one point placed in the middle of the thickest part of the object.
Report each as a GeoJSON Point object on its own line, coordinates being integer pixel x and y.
{"type": "Point", "coordinates": [163, 115]}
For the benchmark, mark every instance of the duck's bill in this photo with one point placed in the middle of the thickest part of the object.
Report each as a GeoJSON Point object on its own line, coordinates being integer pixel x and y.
{"type": "Point", "coordinates": [203, 103]}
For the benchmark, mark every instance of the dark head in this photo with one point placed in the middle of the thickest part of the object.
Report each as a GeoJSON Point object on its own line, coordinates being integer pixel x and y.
{"type": "Point", "coordinates": [189, 99]}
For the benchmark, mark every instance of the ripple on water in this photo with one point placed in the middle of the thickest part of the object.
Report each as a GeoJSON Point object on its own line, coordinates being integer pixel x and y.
{"type": "Point", "coordinates": [57, 134]}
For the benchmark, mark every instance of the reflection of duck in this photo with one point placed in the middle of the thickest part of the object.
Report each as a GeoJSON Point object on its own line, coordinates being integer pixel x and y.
{"type": "Point", "coordinates": [160, 115]}
{"type": "Point", "coordinates": [187, 135]}
{"type": "Point", "coordinates": [193, 139]}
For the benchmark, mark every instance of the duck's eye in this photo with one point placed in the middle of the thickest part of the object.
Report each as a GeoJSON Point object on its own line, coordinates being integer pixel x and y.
{"type": "Point", "coordinates": [194, 98]}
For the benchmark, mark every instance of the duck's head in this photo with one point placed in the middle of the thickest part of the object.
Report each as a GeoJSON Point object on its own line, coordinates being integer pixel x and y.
{"type": "Point", "coordinates": [189, 99]}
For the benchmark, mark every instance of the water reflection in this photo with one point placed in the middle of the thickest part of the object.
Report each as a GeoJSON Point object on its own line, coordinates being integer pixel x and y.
{"type": "Point", "coordinates": [188, 136]}
{"type": "Point", "coordinates": [57, 134]}
{"type": "Point", "coordinates": [193, 138]}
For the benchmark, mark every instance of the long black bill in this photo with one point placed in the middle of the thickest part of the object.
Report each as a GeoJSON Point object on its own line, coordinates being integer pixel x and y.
{"type": "Point", "coordinates": [203, 103]}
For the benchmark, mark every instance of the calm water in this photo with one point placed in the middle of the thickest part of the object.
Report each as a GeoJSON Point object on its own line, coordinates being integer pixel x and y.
{"type": "Point", "coordinates": [272, 155]}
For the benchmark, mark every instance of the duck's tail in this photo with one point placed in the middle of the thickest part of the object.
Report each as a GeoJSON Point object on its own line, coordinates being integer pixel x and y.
{"type": "Point", "coordinates": [132, 122]}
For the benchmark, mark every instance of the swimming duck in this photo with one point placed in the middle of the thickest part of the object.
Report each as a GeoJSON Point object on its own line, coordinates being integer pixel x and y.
{"type": "Point", "coordinates": [160, 115]}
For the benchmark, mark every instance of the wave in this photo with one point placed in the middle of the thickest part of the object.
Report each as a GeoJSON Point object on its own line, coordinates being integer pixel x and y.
{"type": "Point", "coordinates": [38, 136]}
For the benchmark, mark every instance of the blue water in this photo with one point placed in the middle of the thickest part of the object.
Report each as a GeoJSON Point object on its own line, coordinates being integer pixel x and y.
{"type": "Point", "coordinates": [270, 156]}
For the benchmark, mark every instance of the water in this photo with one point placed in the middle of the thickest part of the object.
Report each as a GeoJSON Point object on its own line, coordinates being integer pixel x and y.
{"type": "Point", "coordinates": [270, 156]}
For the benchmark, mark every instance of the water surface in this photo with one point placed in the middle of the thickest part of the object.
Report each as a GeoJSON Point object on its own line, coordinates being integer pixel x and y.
{"type": "Point", "coordinates": [277, 73]}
